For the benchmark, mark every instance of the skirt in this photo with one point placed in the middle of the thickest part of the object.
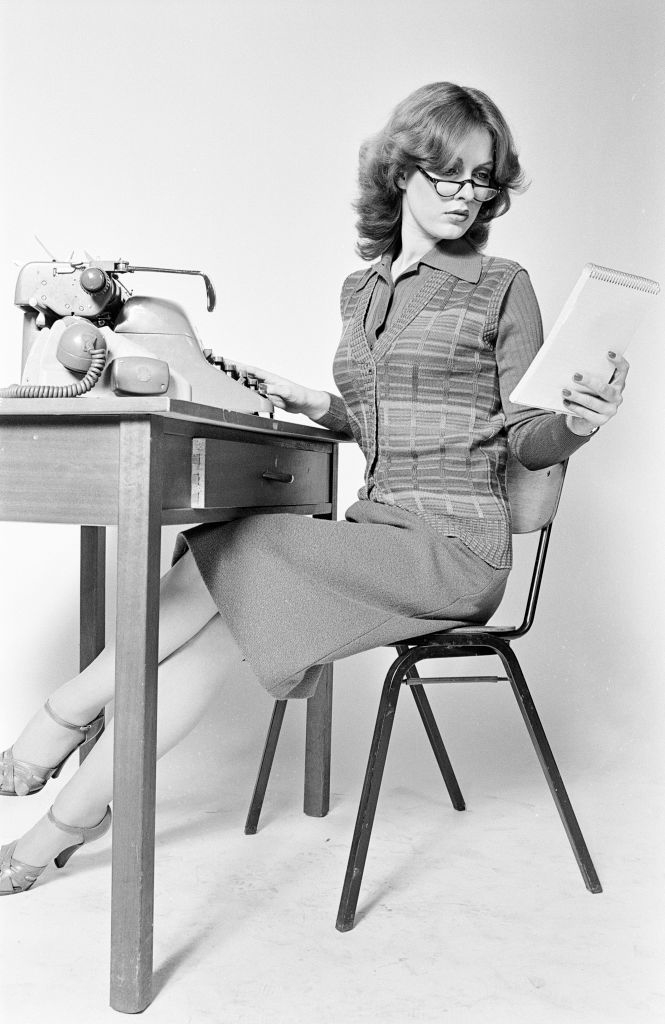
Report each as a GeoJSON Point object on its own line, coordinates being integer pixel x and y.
{"type": "Point", "coordinates": [298, 593]}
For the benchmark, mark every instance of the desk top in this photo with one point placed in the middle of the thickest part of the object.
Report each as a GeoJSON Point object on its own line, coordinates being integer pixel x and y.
{"type": "Point", "coordinates": [170, 408]}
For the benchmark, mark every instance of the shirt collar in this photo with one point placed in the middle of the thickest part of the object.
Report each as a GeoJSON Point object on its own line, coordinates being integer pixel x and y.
{"type": "Point", "coordinates": [457, 257]}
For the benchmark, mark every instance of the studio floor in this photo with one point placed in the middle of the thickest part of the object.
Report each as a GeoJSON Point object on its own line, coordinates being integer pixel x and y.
{"type": "Point", "coordinates": [479, 916]}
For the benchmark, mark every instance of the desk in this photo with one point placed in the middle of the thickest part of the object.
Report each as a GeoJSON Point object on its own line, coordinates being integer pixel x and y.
{"type": "Point", "coordinates": [139, 464]}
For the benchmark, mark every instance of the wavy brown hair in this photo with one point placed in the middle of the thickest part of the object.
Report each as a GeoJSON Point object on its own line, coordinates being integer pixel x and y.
{"type": "Point", "coordinates": [425, 129]}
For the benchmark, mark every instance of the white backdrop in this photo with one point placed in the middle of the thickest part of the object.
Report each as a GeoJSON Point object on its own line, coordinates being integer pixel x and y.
{"type": "Point", "coordinates": [223, 136]}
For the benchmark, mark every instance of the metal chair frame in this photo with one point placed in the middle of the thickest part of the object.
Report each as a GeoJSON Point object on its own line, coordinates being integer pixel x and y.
{"type": "Point", "coordinates": [467, 641]}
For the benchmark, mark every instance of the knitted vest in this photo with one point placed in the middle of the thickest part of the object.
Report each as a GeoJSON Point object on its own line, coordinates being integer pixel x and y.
{"type": "Point", "coordinates": [424, 404]}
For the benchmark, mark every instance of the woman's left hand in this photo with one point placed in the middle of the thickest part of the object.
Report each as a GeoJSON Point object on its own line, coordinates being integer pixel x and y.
{"type": "Point", "coordinates": [590, 401]}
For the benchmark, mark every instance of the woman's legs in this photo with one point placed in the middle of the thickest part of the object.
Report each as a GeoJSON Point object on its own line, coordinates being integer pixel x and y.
{"type": "Point", "coordinates": [185, 608]}
{"type": "Point", "coordinates": [196, 653]}
{"type": "Point", "coordinates": [188, 681]}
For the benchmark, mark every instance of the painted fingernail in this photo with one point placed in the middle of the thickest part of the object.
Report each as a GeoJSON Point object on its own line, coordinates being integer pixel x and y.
{"type": "Point", "coordinates": [612, 355]}
{"type": "Point", "coordinates": [577, 376]}
{"type": "Point", "coordinates": [566, 392]}
{"type": "Point", "coordinates": [566, 401]}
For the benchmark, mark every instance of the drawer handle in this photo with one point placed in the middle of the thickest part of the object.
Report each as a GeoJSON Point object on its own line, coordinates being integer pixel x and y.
{"type": "Point", "coordinates": [283, 478]}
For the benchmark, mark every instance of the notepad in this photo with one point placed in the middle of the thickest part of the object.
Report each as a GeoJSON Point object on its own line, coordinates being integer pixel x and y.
{"type": "Point", "coordinates": [603, 312]}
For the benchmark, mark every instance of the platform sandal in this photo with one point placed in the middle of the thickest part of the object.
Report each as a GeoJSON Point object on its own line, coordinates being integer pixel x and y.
{"type": "Point", "coordinates": [20, 778]}
{"type": "Point", "coordinates": [17, 876]}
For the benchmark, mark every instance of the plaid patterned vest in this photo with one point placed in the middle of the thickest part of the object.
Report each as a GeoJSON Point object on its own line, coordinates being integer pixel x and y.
{"type": "Point", "coordinates": [424, 404]}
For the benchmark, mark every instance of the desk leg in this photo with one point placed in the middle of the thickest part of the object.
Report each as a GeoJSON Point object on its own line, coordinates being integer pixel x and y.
{"type": "Point", "coordinates": [317, 747]}
{"type": "Point", "coordinates": [92, 612]}
{"type": "Point", "coordinates": [319, 713]}
{"type": "Point", "coordinates": [139, 521]}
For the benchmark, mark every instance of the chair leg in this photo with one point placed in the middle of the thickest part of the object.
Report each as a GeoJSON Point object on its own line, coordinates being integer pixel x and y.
{"type": "Point", "coordinates": [368, 801]}
{"type": "Point", "coordinates": [436, 742]}
{"type": "Point", "coordinates": [434, 736]}
{"type": "Point", "coordinates": [259, 793]}
{"type": "Point", "coordinates": [549, 766]}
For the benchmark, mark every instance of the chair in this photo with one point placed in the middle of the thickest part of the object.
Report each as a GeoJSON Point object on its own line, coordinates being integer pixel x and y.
{"type": "Point", "coordinates": [534, 498]}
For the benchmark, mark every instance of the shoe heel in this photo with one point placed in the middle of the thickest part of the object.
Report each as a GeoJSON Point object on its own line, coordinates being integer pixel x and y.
{"type": "Point", "coordinates": [59, 768]}
{"type": "Point", "coordinates": [63, 857]}
{"type": "Point", "coordinates": [86, 834]}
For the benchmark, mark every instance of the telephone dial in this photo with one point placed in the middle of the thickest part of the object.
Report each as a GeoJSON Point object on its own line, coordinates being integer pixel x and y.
{"type": "Point", "coordinates": [86, 335]}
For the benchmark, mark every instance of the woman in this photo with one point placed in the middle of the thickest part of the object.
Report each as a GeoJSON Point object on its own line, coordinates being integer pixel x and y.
{"type": "Point", "coordinates": [436, 335]}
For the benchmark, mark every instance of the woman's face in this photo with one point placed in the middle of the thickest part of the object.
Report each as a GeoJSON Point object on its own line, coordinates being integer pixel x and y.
{"type": "Point", "coordinates": [425, 214]}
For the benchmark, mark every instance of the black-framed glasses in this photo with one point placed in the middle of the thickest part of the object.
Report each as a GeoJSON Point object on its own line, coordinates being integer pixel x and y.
{"type": "Point", "coordinates": [447, 189]}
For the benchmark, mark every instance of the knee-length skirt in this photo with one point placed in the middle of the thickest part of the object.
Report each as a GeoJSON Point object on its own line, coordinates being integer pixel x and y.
{"type": "Point", "coordinates": [298, 592]}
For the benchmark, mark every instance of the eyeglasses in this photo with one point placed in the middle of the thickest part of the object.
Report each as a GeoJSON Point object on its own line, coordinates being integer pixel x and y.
{"type": "Point", "coordinates": [447, 189]}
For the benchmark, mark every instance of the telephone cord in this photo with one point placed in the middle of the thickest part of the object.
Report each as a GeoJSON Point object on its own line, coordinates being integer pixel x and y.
{"type": "Point", "coordinates": [98, 361]}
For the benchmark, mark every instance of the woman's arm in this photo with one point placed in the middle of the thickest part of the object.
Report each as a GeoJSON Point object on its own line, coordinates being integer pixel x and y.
{"type": "Point", "coordinates": [536, 437]}
{"type": "Point", "coordinates": [325, 409]}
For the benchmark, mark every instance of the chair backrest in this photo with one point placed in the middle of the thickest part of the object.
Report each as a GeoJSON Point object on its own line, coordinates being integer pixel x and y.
{"type": "Point", "coordinates": [533, 495]}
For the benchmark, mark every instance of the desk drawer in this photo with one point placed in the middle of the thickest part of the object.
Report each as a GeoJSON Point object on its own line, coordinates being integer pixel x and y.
{"type": "Point", "coordinates": [242, 474]}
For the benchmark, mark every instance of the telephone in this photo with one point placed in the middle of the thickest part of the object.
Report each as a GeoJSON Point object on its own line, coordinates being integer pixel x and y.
{"type": "Point", "coordinates": [86, 335]}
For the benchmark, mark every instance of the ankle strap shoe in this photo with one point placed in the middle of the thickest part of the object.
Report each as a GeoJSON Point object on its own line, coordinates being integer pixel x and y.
{"type": "Point", "coordinates": [17, 876]}
{"type": "Point", "coordinates": [21, 778]}
{"type": "Point", "coordinates": [83, 835]}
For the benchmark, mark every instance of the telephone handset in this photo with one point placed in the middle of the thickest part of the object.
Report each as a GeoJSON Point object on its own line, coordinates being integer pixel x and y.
{"type": "Point", "coordinates": [85, 335]}
{"type": "Point", "coordinates": [82, 349]}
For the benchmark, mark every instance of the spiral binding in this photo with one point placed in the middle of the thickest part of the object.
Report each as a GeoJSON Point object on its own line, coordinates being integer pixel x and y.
{"type": "Point", "coordinates": [640, 284]}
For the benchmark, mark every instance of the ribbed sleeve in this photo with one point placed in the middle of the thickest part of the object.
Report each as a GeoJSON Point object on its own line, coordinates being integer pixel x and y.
{"type": "Point", "coordinates": [337, 417]}
{"type": "Point", "coordinates": [537, 438]}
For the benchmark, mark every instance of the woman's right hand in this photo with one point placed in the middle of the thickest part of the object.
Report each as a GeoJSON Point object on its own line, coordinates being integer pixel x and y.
{"type": "Point", "coordinates": [287, 395]}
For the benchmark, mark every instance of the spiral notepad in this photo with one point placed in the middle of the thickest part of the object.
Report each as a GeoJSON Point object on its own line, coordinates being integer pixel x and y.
{"type": "Point", "coordinates": [602, 314]}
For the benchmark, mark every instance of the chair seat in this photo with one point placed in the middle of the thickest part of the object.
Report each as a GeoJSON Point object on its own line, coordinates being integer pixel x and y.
{"type": "Point", "coordinates": [444, 635]}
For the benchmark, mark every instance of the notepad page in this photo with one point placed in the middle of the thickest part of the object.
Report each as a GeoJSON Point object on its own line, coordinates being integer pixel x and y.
{"type": "Point", "coordinates": [602, 313]}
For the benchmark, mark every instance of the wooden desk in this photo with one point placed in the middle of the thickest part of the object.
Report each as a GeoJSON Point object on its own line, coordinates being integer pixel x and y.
{"type": "Point", "coordinates": [139, 464]}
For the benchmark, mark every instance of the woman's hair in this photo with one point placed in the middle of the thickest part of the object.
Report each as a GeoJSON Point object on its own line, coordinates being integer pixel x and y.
{"type": "Point", "coordinates": [425, 130]}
